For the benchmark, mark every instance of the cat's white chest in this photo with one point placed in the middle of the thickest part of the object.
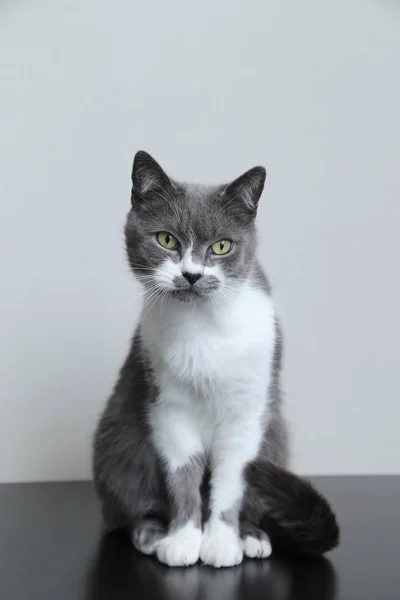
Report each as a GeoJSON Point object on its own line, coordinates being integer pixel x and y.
{"type": "Point", "coordinates": [213, 350]}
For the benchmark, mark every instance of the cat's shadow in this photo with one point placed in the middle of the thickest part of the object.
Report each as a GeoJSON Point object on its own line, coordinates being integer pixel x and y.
{"type": "Point", "coordinates": [120, 573]}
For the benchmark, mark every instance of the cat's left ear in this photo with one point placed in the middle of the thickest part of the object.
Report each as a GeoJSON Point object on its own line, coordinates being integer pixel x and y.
{"type": "Point", "coordinates": [248, 187]}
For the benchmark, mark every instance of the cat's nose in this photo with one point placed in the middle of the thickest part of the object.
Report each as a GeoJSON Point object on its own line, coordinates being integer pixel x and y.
{"type": "Point", "coordinates": [191, 277]}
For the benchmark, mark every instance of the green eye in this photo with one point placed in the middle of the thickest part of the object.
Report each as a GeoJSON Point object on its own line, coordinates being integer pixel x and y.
{"type": "Point", "coordinates": [221, 247]}
{"type": "Point", "coordinates": [167, 240]}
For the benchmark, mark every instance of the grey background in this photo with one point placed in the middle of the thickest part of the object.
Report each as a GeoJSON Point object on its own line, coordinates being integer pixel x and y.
{"type": "Point", "coordinates": [309, 89]}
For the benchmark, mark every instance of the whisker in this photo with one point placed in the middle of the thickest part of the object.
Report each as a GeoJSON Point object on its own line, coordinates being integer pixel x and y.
{"type": "Point", "coordinates": [149, 297]}
{"type": "Point", "coordinates": [156, 298]}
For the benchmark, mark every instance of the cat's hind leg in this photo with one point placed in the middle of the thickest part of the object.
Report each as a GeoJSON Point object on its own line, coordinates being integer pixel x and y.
{"type": "Point", "coordinates": [147, 534]}
{"type": "Point", "coordinates": [256, 542]}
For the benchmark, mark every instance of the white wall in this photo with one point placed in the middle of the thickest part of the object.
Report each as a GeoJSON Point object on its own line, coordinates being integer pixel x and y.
{"type": "Point", "coordinates": [310, 89]}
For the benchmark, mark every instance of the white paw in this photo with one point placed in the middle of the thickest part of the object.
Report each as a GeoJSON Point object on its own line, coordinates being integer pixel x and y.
{"type": "Point", "coordinates": [180, 548]}
{"type": "Point", "coordinates": [255, 548]}
{"type": "Point", "coordinates": [221, 546]}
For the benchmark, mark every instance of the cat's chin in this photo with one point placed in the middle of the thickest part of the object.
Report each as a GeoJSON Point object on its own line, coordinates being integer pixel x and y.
{"type": "Point", "coordinates": [190, 295]}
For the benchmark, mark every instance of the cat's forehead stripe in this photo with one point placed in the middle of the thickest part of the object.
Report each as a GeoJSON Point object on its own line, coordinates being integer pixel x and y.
{"type": "Point", "coordinates": [189, 263]}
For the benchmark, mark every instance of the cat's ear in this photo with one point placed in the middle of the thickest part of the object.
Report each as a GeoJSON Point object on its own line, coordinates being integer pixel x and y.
{"type": "Point", "coordinates": [147, 176]}
{"type": "Point", "coordinates": [248, 188]}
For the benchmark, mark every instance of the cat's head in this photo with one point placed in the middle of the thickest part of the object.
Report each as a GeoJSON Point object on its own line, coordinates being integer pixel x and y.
{"type": "Point", "coordinates": [189, 241]}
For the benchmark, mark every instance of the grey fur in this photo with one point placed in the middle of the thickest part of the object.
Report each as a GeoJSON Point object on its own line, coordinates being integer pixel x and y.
{"type": "Point", "coordinates": [231, 516]}
{"type": "Point", "coordinates": [135, 490]}
{"type": "Point", "coordinates": [184, 489]}
{"type": "Point", "coordinates": [147, 533]}
{"type": "Point", "coordinates": [128, 475]}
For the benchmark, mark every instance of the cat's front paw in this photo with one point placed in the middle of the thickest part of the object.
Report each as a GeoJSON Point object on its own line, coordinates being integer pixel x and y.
{"type": "Point", "coordinates": [221, 545]}
{"type": "Point", "coordinates": [180, 548]}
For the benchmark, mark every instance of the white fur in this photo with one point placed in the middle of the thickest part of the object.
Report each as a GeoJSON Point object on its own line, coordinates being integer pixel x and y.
{"type": "Point", "coordinates": [168, 270]}
{"type": "Point", "coordinates": [221, 546]}
{"type": "Point", "coordinates": [188, 265]}
{"type": "Point", "coordinates": [182, 547]}
{"type": "Point", "coordinates": [166, 273]}
{"type": "Point", "coordinates": [255, 548]}
{"type": "Point", "coordinates": [212, 364]}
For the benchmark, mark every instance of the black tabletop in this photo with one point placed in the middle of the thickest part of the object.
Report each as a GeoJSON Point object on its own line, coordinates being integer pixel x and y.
{"type": "Point", "coordinates": [51, 547]}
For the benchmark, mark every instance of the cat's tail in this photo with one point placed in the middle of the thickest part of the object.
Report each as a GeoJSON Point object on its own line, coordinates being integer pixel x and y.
{"type": "Point", "coordinates": [297, 518]}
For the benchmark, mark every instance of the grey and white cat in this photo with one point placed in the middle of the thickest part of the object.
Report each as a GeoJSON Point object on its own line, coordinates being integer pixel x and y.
{"type": "Point", "coordinates": [190, 453]}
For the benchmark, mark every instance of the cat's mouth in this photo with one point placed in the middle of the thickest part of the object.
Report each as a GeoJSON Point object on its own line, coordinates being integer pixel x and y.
{"type": "Point", "coordinates": [192, 294]}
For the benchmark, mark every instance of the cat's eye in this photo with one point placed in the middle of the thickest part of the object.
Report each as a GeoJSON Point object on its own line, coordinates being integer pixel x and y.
{"type": "Point", "coordinates": [167, 240]}
{"type": "Point", "coordinates": [221, 247]}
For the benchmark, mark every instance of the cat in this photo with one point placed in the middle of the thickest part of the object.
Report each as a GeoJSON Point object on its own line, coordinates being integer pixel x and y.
{"type": "Point", "coordinates": [191, 451]}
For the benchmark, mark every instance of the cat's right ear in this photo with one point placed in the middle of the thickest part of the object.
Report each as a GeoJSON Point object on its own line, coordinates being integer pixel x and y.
{"type": "Point", "coordinates": [147, 176]}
